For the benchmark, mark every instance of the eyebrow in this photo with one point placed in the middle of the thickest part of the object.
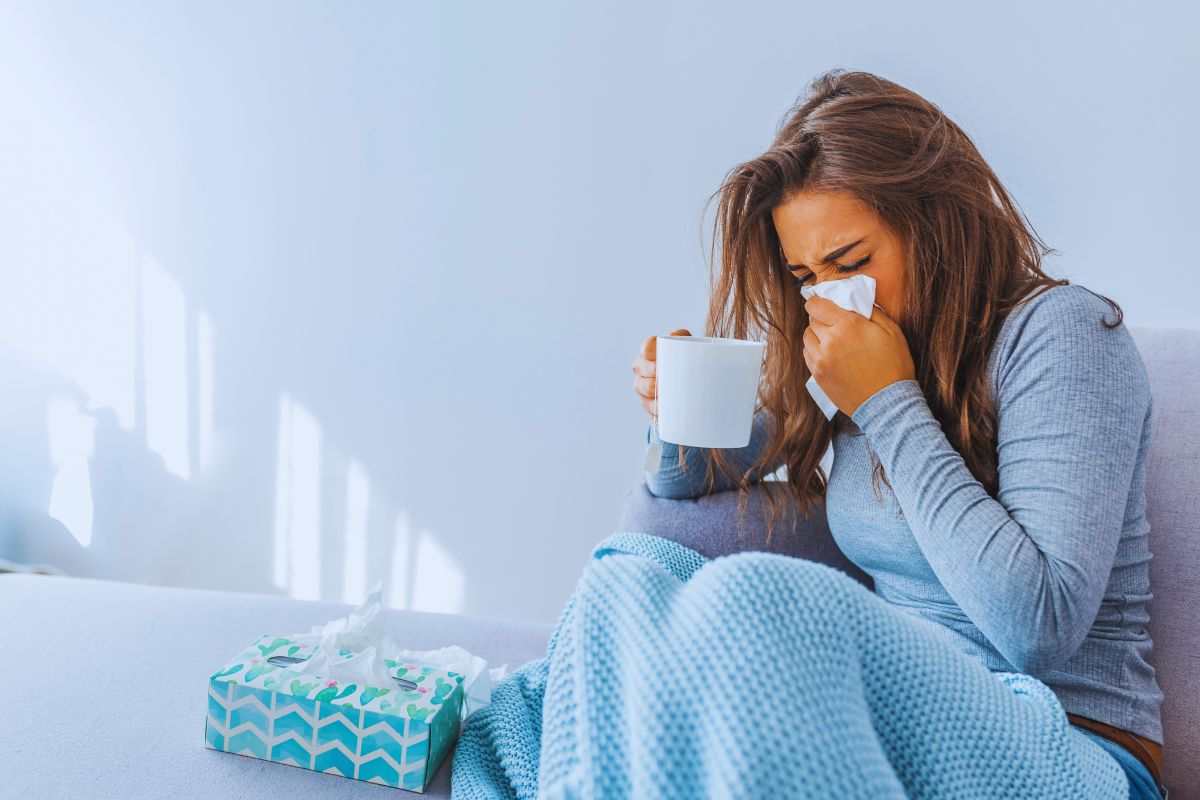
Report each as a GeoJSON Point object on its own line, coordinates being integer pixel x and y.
{"type": "Point", "coordinates": [835, 255]}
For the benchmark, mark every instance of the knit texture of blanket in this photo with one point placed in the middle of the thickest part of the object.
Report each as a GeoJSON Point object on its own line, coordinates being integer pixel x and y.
{"type": "Point", "coordinates": [759, 675]}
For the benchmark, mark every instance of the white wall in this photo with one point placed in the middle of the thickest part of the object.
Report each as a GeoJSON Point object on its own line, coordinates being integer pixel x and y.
{"type": "Point", "coordinates": [298, 296]}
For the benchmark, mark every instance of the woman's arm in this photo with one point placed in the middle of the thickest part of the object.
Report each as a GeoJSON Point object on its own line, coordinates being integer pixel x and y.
{"type": "Point", "coordinates": [671, 480]}
{"type": "Point", "coordinates": [1030, 566]}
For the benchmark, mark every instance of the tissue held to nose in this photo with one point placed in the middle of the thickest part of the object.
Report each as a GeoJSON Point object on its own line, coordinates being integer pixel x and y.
{"type": "Point", "coordinates": [856, 293]}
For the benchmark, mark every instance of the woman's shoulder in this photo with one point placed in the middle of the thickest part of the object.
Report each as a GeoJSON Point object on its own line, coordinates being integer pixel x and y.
{"type": "Point", "coordinates": [1068, 325]}
{"type": "Point", "coordinates": [1059, 310]}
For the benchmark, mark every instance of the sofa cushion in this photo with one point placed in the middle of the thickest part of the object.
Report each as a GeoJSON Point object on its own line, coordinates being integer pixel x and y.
{"type": "Point", "coordinates": [106, 686]}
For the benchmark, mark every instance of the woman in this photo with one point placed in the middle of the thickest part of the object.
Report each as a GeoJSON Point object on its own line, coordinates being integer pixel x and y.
{"type": "Point", "coordinates": [990, 443]}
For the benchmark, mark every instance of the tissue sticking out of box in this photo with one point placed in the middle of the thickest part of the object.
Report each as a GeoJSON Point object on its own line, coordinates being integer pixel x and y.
{"type": "Point", "coordinates": [356, 648]}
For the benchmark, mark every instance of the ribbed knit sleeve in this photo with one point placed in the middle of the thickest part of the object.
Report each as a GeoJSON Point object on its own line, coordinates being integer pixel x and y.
{"type": "Point", "coordinates": [671, 479]}
{"type": "Point", "coordinates": [1029, 567]}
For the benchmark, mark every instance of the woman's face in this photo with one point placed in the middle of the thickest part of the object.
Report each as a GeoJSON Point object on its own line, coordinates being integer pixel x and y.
{"type": "Point", "coordinates": [827, 236]}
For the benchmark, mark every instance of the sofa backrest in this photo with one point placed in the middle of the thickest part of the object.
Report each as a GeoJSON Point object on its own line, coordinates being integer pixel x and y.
{"type": "Point", "coordinates": [1172, 358]}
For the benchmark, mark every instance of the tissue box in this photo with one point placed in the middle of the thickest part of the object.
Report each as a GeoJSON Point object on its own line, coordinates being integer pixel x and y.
{"type": "Point", "coordinates": [394, 735]}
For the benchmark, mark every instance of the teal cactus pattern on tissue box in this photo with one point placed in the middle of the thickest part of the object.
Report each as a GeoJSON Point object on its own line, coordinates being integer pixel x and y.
{"type": "Point", "coordinates": [392, 735]}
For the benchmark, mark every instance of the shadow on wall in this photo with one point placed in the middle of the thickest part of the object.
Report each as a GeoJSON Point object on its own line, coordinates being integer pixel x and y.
{"type": "Point", "coordinates": [111, 453]}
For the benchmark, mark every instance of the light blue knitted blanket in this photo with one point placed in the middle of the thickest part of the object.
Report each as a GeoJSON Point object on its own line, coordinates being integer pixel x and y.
{"type": "Point", "coordinates": [759, 675]}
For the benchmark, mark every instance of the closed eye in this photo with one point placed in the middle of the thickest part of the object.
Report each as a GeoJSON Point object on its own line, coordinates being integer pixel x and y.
{"type": "Point", "coordinates": [843, 268]}
{"type": "Point", "coordinates": [802, 278]}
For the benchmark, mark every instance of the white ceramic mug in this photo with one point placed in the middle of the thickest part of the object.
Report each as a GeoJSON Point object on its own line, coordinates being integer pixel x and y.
{"type": "Point", "coordinates": [707, 388]}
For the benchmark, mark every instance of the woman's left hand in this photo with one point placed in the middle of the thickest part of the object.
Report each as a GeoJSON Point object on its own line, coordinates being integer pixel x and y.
{"type": "Point", "coordinates": [853, 357]}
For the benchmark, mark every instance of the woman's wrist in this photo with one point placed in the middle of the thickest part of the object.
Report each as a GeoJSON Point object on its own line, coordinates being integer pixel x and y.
{"type": "Point", "coordinates": [668, 454]}
{"type": "Point", "coordinates": [888, 398]}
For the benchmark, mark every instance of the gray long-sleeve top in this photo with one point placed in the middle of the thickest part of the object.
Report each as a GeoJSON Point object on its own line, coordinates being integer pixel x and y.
{"type": "Point", "coordinates": [1051, 576]}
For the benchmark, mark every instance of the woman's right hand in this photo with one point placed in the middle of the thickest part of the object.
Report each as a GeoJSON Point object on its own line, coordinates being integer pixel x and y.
{"type": "Point", "coordinates": [645, 384]}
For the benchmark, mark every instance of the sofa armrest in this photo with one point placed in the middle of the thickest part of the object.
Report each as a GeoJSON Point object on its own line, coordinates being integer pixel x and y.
{"type": "Point", "coordinates": [710, 525]}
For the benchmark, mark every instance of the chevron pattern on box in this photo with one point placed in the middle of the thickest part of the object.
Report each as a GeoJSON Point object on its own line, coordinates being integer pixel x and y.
{"type": "Point", "coordinates": [320, 736]}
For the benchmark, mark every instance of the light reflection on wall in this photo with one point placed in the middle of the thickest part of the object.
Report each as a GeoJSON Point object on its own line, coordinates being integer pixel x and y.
{"type": "Point", "coordinates": [438, 583]}
{"type": "Point", "coordinates": [87, 309]}
{"type": "Point", "coordinates": [354, 580]}
{"type": "Point", "coordinates": [94, 317]}
{"type": "Point", "coordinates": [297, 562]}
{"type": "Point", "coordinates": [424, 576]}
{"type": "Point", "coordinates": [96, 310]}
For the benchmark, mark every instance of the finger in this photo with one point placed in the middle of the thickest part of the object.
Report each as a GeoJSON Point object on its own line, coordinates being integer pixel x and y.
{"type": "Point", "coordinates": [810, 350]}
{"type": "Point", "coordinates": [649, 406]}
{"type": "Point", "coordinates": [879, 315]}
{"type": "Point", "coordinates": [810, 360]}
{"type": "Point", "coordinates": [824, 311]}
{"type": "Point", "coordinates": [645, 387]}
{"type": "Point", "coordinates": [812, 337]}
{"type": "Point", "coordinates": [650, 345]}
{"type": "Point", "coordinates": [644, 367]}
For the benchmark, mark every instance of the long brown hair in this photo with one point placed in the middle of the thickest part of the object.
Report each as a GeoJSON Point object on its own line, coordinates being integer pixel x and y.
{"type": "Point", "coordinates": [971, 256]}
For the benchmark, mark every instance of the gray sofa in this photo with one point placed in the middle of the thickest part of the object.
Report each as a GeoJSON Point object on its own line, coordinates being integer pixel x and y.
{"type": "Point", "coordinates": [711, 526]}
{"type": "Point", "coordinates": [106, 680]}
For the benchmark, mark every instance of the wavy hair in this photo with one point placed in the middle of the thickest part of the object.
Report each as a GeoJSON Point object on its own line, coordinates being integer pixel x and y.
{"type": "Point", "coordinates": [971, 257]}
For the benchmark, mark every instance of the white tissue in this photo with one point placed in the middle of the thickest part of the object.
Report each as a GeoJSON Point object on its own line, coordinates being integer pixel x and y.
{"type": "Point", "coordinates": [478, 680]}
{"type": "Point", "coordinates": [856, 293]}
{"type": "Point", "coordinates": [362, 632]}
